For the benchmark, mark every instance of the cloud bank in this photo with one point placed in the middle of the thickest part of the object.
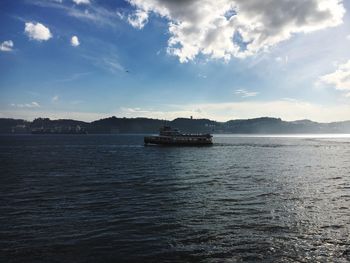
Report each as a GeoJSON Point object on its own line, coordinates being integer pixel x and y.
{"type": "Point", "coordinates": [223, 29]}
{"type": "Point", "coordinates": [27, 105]}
{"type": "Point", "coordinates": [37, 31]}
{"type": "Point", "coordinates": [245, 94]}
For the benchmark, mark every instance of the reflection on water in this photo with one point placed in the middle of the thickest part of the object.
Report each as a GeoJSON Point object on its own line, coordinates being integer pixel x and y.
{"type": "Point", "coordinates": [308, 135]}
{"type": "Point", "coordinates": [107, 198]}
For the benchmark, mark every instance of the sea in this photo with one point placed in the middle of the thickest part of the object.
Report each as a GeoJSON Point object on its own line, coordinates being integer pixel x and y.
{"type": "Point", "coordinates": [109, 198]}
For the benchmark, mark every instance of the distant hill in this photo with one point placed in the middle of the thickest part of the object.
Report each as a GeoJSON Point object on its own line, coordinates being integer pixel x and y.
{"type": "Point", "coordinates": [7, 125]}
{"type": "Point", "coordinates": [264, 125]}
{"type": "Point", "coordinates": [125, 125]}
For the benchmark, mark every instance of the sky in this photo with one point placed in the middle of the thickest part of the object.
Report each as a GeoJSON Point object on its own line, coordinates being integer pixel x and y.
{"type": "Point", "coordinates": [222, 60]}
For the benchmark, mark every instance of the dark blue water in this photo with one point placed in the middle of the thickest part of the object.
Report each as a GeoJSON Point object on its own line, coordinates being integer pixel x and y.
{"type": "Point", "coordinates": [99, 198]}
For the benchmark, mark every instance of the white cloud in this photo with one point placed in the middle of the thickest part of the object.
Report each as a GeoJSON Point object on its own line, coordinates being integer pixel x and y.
{"type": "Point", "coordinates": [339, 79]}
{"type": "Point", "coordinates": [37, 31]}
{"type": "Point", "coordinates": [348, 37]}
{"type": "Point", "coordinates": [107, 62]}
{"type": "Point", "coordinates": [245, 94]}
{"type": "Point", "coordinates": [6, 46]}
{"type": "Point", "coordinates": [27, 105]}
{"type": "Point", "coordinates": [78, 2]}
{"type": "Point", "coordinates": [113, 65]}
{"type": "Point", "coordinates": [223, 29]}
{"type": "Point", "coordinates": [284, 59]}
{"type": "Point", "coordinates": [35, 104]}
{"type": "Point", "coordinates": [279, 59]}
{"type": "Point", "coordinates": [74, 41]}
{"type": "Point", "coordinates": [138, 19]}
{"type": "Point", "coordinates": [96, 13]}
{"type": "Point", "coordinates": [72, 77]}
{"type": "Point", "coordinates": [120, 15]}
{"type": "Point", "coordinates": [55, 98]}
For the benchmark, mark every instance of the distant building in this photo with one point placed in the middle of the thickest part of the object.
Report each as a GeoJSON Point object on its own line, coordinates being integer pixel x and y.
{"type": "Point", "coordinates": [20, 128]}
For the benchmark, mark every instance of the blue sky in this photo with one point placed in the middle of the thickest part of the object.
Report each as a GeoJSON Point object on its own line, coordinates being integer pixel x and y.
{"type": "Point", "coordinates": [89, 59]}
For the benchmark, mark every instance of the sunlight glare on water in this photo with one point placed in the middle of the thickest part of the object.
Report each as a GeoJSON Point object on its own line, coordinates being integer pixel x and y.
{"type": "Point", "coordinates": [107, 197]}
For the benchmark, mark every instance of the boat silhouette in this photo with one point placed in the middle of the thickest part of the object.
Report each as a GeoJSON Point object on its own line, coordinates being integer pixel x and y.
{"type": "Point", "coordinates": [169, 136]}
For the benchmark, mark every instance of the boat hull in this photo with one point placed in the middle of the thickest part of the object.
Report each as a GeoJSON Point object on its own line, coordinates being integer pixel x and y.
{"type": "Point", "coordinates": [177, 141]}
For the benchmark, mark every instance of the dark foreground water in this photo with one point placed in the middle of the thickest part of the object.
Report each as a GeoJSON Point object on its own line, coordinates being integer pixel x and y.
{"type": "Point", "coordinates": [110, 199]}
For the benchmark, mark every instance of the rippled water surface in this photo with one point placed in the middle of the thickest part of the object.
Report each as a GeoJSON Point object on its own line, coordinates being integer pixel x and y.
{"type": "Point", "coordinates": [99, 198]}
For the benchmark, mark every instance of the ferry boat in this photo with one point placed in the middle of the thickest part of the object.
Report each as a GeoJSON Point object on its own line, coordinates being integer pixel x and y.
{"type": "Point", "coordinates": [169, 136]}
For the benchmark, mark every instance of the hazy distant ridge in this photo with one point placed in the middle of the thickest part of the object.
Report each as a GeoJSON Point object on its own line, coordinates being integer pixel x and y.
{"type": "Point", "coordinates": [264, 125]}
